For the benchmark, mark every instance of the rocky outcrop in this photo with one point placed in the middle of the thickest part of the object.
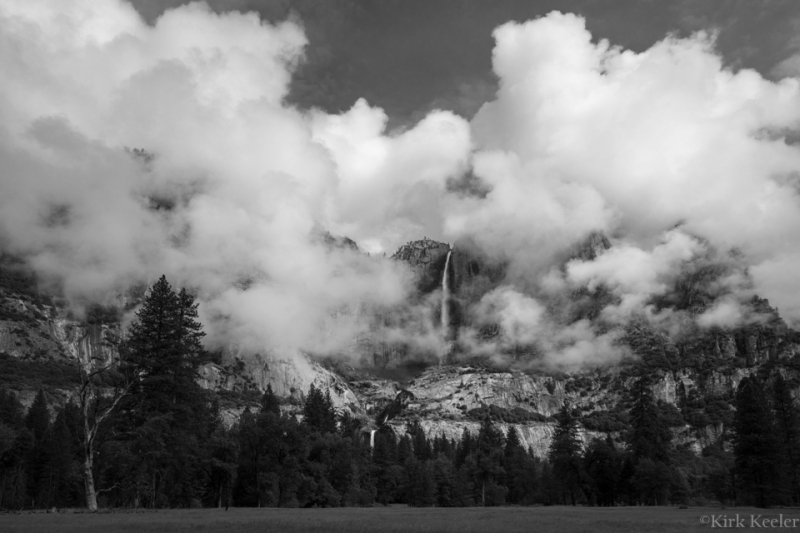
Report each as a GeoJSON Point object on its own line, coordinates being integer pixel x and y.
{"type": "Point", "coordinates": [591, 248]}
{"type": "Point", "coordinates": [427, 260]}
{"type": "Point", "coordinates": [536, 436]}
{"type": "Point", "coordinates": [37, 332]}
{"type": "Point", "coordinates": [290, 377]}
{"type": "Point", "coordinates": [457, 390]}
{"type": "Point", "coordinates": [98, 343]}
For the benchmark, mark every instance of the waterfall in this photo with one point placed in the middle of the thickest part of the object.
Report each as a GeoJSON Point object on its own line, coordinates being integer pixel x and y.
{"type": "Point", "coordinates": [445, 297]}
{"type": "Point", "coordinates": [372, 438]}
{"type": "Point", "coordinates": [448, 345]}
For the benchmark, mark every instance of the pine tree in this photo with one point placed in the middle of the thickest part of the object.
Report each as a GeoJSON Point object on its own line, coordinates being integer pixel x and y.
{"type": "Point", "coordinates": [603, 464]}
{"type": "Point", "coordinates": [489, 464]}
{"type": "Point", "coordinates": [756, 446]}
{"type": "Point", "coordinates": [270, 402]}
{"type": "Point", "coordinates": [38, 423]}
{"type": "Point", "coordinates": [318, 412]}
{"type": "Point", "coordinates": [63, 475]}
{"type": "Point", "coordinates": [464, 448]}
{"type": "Point", "coordinates": [649, 437]}
{"type": "Point", "coordinates": [251, 450]}
{"type": "Point", "coordinates": [565, 453]}
{"type": "Point", "coordinates": [520, 477]}
{"type": "Point", "coordinates": [423, 486]}
{"type": "Point", "coordinates": [422, 446]}
{"type": "Point", "coordinates": [650, 445]}
{"type": "Point", "coordinates": [170, 413]}
{"type": "Point", "coordinates": [11, 410]}
{"type": "Point", "coordinates": [788, 427]}
{"type": "Point", "coordinates": [38, 418]}
{"type": "Point", "coordinates": [164, 346]}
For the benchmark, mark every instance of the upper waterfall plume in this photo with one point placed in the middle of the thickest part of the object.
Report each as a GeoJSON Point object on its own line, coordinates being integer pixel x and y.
{"type": "Point", "coordinates": [445, 296]}
{"type": "Point", "coordinates": [445, 305]}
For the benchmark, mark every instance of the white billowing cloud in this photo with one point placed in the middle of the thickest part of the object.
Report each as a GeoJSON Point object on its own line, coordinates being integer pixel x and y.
{"type": "Point", "coordinates": [725, 313]}
{"type": "Point", "coordinates": [583, 135]}
{"type": "Point", "coordinates": [633, 274]}
{"type": "Point", "coordinates": [526, 217]}
{"type": "Point", "coordinates": [520, 317]}
{"type": "Point", "coordinates": [629, 269]}
{"type": "Point", "coordinates": [778, 282]}
{"type": "Point", "coordinates": [524, 323]}
{"type": "Point", "coordinates": [238, 186]}
{"type": "Point", "coordinates": [391, 187]}
{"type": "Point", "coordinates": [579, 345]}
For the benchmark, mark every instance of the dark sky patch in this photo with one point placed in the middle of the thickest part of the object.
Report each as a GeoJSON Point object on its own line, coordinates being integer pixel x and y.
{"type": "Point", "coordinates": [411, 56]}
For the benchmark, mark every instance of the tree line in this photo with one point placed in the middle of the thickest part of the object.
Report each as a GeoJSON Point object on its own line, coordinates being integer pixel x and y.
{"type": "Point", "coordinates": [142, 433]}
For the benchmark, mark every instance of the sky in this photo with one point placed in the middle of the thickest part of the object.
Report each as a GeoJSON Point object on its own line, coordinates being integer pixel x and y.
{"type": "Point", "coordinates": [217, 142]}
{"type": "Point", "coordinates": [411, 56]}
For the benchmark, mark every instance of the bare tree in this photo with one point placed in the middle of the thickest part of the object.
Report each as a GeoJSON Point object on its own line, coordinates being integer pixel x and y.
{"type": "Point", "coordinates": [97, 402]}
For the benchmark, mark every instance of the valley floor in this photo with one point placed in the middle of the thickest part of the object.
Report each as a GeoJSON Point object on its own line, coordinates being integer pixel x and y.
{"type": "Point", "coordinates": [407, 519]}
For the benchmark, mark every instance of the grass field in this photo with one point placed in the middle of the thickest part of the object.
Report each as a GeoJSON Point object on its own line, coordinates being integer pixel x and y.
{"type": "Point", "coordinates": [392, 520]}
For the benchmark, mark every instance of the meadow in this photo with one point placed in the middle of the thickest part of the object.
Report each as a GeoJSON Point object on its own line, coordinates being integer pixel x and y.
{"type": "Point", "coordinates": [391, 520]}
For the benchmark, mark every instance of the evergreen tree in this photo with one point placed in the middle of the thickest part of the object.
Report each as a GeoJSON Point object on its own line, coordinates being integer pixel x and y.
{"type": "Point", "coordinates": [15, 444]}
{"type": "Point", "coordinates": [164, 347]}
{"type": "Point", "coordinates": [464, 448]}
{"type": "Point", "coordinates": [565, 454]}
{"type": "Point", "coordinates": [11, 410]}
{"type": "Point", "coordinates": [720, 479]}
{"type": "Point", "coordinates": [649, 437]}
{"type": "Point", "coordinates": [63, 475]}
{"type": "Point", "coordinates": [422, 447]}
{"type": "Point", "coordinates": [318, 413]}
{"type": "Point", "coordinates": [444, 481]}
{"type": "Point", "coordinates": [603, 464]}
{"type": "Point", "coordinates": [252, 443]}
{"type": "Point", "coordinates": [788, 428]}
{"type": "Point", "coordinates": [520, 468]}
{"type": "Point", "coordinates": [756, 445]}
{"type": "Point", "coordinates": [270, 402]}
{"type": "Point", "coordinates": [221, 463]}
{"type": "Point", "coordinates": [488, 465]}
{"type": "Point", "coordinates": [649, 476]}
{"type": "Point", "coordinates": [405, 450]}
{"type": "Point", "coordinates": [169, 413]}
{"type": "Point", "coordinates": [423, 486]}
{"type": "Point", "coordinates": [390, 477]}
{"type": "Point", "coordinates": [38, 423]}
{"type": "Point", "coordinates": [38, 418]}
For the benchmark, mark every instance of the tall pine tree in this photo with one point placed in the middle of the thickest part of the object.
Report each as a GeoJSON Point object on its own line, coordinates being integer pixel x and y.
{"type": "Point", "coordinates": [756, 446]}
{"type": "Point", "coordinates": [170, 413]}
{"type": "Point", "coordinates": [787, 423]}
{"type": "Point", "coordinates": [565, 454]}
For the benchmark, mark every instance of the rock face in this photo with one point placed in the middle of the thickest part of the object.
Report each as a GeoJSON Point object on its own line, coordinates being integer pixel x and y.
{"type": "Point", "coordinates": [427, 259]}
{"type": "Point", "coordinates": [37, 329]}
{"type": "Point", "coordinates": [698, 374]}
{"type": "Point", "coordinates": [592, 247]}
{"type": "Point", "coordinates": [290, 377]}
{"type": "Point", "coordinates": [87, 342]}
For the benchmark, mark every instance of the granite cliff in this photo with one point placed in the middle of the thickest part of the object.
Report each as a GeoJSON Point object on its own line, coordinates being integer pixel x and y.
{"type": "Point", "coordinates": [694, 376]}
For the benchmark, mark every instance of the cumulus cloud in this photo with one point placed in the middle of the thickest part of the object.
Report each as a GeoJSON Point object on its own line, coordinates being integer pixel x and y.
{"type": "Point", "coordinates": [391, 188]}
{"type": "Point", "coordinates": [236, 187]}
{"type": "Point", "coordinates": [725, 313]}
{"type": "Point", "coordinates": [526, 335]}
{"type": "Point", "coordinates": [583, 135]}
